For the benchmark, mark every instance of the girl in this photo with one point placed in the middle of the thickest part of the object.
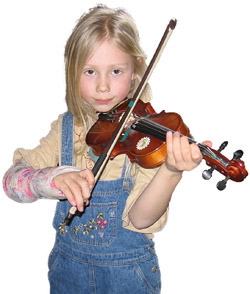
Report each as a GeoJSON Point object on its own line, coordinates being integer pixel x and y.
{"type": "Point", "coordinates": [109, 249]}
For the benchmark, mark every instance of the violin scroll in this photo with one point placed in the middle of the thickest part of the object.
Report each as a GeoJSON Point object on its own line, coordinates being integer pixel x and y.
{"type": "Point", "coordinates": [232, 169]}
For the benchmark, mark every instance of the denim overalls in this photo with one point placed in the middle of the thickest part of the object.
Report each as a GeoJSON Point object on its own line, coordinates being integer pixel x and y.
{"type": "Point", "coordinates": [96, 255]}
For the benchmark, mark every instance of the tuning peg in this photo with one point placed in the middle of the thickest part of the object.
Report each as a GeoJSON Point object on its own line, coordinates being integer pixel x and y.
{"type": "Point", "coordinates": [238, 154]}
{"type": "Point", "coordinates": [207, 173]}
{"type": "Point", "coordinates": [223, 146]}
{"type": "Point", "coordinates": [221, 185]}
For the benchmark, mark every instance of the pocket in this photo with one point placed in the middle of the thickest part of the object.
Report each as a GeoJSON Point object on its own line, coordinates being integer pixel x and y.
{"type": "Point", "coordinates": [97, 226]}
{"type": "Point", "coordinates": [149, 272]}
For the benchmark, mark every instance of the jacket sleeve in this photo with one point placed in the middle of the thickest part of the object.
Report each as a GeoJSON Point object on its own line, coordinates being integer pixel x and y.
{"type": "Point", "coordinates": [142, 176]}
{"type": "Point", "coordinates": [47, 153]}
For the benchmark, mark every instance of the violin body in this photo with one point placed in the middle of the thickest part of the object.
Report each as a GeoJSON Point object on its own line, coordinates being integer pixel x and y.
{"type": "Point", "coordinates": [142, 148]}
{"type": "Point", "coordinates": [143, 140]}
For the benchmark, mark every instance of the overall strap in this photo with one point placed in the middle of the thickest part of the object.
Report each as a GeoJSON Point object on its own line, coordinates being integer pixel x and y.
{"type": "Point", "coordinates": [126, 173]}
{"type": "Point", "coordinates": [68, 147]}
{"type": "Point", "coordinates": [67, 139]}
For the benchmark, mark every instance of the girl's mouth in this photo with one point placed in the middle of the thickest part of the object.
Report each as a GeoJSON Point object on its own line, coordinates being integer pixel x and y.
{"type": "Point", "coordinates": [103, 101]}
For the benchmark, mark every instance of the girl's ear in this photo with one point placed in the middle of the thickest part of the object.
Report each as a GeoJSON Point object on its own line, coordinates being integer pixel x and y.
{"type": "Point", "coordinates": [139, 60]}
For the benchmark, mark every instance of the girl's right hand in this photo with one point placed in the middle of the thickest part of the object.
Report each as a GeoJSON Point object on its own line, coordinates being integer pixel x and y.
{"type": "Point", "coordinates": [76, 186]}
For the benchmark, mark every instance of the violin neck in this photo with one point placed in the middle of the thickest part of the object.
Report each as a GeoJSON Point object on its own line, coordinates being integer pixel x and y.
{"type": "Point", "coordinates": [158, 131]}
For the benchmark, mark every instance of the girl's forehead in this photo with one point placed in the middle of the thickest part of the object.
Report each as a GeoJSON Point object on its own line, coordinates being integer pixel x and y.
{"type": "Point", "coordinates": [108, 51]}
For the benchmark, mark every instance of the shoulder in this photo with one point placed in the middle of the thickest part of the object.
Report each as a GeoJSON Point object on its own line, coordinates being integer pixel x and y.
{"type": "Point", "coordinates": [62, 120]}
{"type": "Point", "coordinates": [58, 122]}
{"type": "Point", "coordinates": [47, 152]}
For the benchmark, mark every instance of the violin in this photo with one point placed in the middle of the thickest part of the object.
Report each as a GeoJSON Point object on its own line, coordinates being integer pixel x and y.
{"type": "Point", "coordinates": [143, 140]}
{"type": "Point", "coordinates": [134, 128]}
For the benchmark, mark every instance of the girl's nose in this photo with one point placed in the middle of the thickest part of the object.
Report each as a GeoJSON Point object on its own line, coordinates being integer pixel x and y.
{"type": "Point", "coordinates": [103, 85]}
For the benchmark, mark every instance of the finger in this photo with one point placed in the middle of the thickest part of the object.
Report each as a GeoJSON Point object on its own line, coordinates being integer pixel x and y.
{"type": "Point", "coordinates": [185, 150]}
{"type": "Point", "coordinates": [196, 153]}
{"type": "Point", "coordinates": [89, 177]}
{"type": "Point", "coordinates": [85, 189]}
{"type": "Point", "coordinates": [169, 140]}
{"type": "Point", "coordinates": [170, 149]}
{"type": "Point", "coordinates": [208, 143]}
{"type": "Point", "coordinates": [68, 194]}
{"type": "Point", "coordinates": [77, 192]}
{"type": "Point", "coordinates": [177, 151]}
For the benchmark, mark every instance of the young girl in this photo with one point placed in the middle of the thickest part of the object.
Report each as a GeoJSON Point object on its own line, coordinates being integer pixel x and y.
{"type": "Point", "coordinates": [109, 249]}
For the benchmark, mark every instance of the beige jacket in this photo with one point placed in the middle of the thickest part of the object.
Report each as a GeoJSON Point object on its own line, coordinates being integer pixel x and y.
{"type": "Point", "coordinates": [48, 154]}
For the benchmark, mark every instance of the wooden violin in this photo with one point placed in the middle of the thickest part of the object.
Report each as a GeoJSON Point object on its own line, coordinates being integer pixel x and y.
{"type": "Point", "coordinates": [143, 140]}
{"type": "Point", "coordinates": [136, 129]}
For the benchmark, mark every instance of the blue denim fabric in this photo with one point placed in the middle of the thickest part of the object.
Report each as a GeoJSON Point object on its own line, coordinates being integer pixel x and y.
{"type": "Point", "coordinates": [96, 255]}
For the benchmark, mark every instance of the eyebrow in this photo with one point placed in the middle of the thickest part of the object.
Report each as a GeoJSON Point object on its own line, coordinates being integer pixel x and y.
{"type": "Point", "coordinates": [111, 65]}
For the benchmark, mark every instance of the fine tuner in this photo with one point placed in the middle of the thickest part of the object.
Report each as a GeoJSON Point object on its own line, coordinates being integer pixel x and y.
{"type": "Point", "coordinates": [224, 164]}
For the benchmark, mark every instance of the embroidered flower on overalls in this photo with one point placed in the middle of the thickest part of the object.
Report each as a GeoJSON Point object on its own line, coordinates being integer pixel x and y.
{"type": "Point", "coordinates": [86, 230]}
{"type": "Point", "coordinates": [62, 229]}
{"type": "Point", "coordinates": [76, 229]}
{"type": "Point", "coordinates": [100, 215]}
{"type": "Point", "coordinates": [101, 222]}
{"type": "Point", "coordinates": [93, 224]}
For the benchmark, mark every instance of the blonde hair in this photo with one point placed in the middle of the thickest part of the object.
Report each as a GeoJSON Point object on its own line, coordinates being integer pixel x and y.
{"type": "Point", "coordinates": [99, 23]}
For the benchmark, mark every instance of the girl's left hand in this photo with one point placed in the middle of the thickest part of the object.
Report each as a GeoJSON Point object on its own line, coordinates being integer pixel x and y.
{"type": "Point", "coordinates": [182, 156]}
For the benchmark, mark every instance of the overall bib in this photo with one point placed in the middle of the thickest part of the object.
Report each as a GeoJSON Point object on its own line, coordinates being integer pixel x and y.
{"type": "Point", "coordinates": [95, 254]}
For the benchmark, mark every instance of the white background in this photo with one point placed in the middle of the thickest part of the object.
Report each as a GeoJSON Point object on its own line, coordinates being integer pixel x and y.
{"type": "Point", "coordinates": [203, 75]}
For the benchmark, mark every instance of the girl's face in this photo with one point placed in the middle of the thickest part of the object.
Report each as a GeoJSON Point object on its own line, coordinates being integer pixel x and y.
{"type": "Point", "coordinates": [106, 76]}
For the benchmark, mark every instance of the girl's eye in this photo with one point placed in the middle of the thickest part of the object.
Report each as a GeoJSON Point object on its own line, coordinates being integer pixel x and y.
{"type": "Point", "coordinates": [89, 72]}
{"type": "Point", "coordinates": [116, 72]}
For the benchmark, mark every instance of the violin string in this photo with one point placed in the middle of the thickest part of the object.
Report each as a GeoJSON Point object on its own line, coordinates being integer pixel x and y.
{"type": "Point", "coordinates": [160, 131]}
{"type": "Point", "coordinates": [150, 128]}
{"type": "Point", "coordinates": [204, 149]}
